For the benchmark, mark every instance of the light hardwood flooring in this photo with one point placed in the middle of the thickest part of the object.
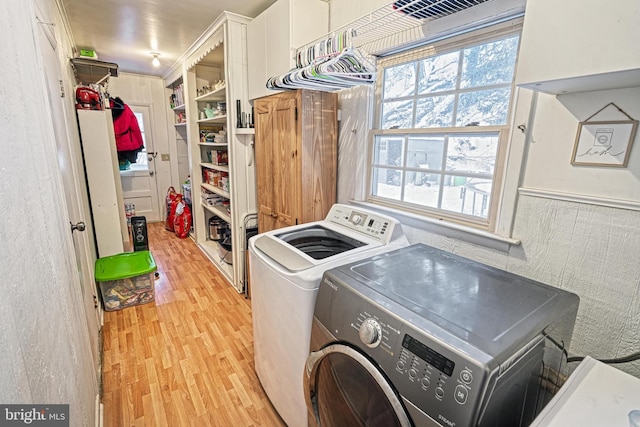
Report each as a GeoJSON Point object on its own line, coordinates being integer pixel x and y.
{"type": "Point", "coordinates": [185, 359]}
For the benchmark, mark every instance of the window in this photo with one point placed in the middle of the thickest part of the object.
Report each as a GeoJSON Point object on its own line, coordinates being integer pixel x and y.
{"type": "Point", "coordinates": [141, 160]}
{"type": "Point", "coordinates": [443, 122]}
{"type": "Point", "coordinates": [142, 164]}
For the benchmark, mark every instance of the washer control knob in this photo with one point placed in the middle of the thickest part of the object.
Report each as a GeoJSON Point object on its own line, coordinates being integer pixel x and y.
{"type": "Point", "coordinates": [356, 218]}
{"type": "Point", "coordinates": [370, 333]}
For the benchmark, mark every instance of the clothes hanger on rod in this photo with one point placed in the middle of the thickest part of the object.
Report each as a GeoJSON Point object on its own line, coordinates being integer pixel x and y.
{"type": "Point", "coordinates": [332, 64]}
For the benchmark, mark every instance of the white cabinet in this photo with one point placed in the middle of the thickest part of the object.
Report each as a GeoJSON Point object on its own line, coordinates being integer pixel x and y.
{"type": "Point", "coordinates": [273, 36]}
{"type": "Point", "coordinates": [221, 156]}
{"type": "Point", "coordinates": [103, 179]}
{"type": "Point", "coordinates": [576, 46]}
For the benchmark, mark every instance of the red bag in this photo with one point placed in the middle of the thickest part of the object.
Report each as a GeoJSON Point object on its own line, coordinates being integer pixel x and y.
{"type": "Point", "coordinates": [171, 196]}
{"type": "Point", "coordinates": [171, 218]}
{"type": "Point", "coordinates": [182, 221]}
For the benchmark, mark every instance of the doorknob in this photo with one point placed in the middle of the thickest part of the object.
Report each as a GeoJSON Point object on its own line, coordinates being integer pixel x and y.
{"type": "Point", "coordinates": [81, 226]}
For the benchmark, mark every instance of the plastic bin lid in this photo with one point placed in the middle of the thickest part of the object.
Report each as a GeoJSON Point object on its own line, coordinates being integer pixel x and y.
{"type": "Point", "coordinates": [124, 266]}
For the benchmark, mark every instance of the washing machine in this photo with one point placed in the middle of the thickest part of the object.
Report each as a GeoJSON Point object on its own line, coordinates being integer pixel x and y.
{"type": "Point", "coordinates": [421, 337]}
{"type": "Point", "coordinates": [286, 266]}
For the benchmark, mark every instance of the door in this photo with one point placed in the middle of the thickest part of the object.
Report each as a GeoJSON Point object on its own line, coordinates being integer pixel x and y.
{"type": "Point", "coordinates": [139, 185]}
{"type": "Point", "coordinates": [277, 161]}
{"type": "Point", "coordinates": [286, 177]}
{"type": "Point", "coordinates": [264, 162]}
{"type": "Point", "coordinates": [75, 192]}
{"type": "Point", "coordinates": [344, 388]}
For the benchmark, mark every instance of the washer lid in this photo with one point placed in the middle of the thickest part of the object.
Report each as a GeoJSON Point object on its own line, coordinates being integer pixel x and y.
{"type": "Point", "coordinates": [296, 249]}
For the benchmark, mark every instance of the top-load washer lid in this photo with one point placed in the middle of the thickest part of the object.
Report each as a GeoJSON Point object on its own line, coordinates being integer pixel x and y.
{"type": "Point", "coordinates": [488, 308]}
{"type": "Point", "coordinates": [346, 229]}
{"type": "Point", "coordinates": [299, 248]}
{"type": "Point", "coordinates": [319, 242]}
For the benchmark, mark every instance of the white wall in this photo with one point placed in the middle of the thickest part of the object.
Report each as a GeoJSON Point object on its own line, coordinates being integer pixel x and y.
{"type": "Point", "coordinates": [552, 140]}
{"type": "Point", "coordinates": [587, 249]}
{"type": "Point", "coordinates": [44, 352]}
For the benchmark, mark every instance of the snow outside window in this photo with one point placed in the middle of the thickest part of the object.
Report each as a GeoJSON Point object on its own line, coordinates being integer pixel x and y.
{"type": "Point", "coordinates": [443, 121]}
{"type": "Point", "coordinates": [141, 160]}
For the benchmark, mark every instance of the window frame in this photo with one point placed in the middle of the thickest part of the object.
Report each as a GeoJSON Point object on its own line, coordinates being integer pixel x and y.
{"type": "Point", "coordinates": [455, 43]}
{"type": "Point", "coordinates": [142, 169]}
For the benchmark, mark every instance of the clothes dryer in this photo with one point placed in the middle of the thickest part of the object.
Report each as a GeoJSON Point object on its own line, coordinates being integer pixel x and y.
{"type": "Point", "coordinates": [286, 266]}
{"type": "Point", "coordinates": [422, 337]}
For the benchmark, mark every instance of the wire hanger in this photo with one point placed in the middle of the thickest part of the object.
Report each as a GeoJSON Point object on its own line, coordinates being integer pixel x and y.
{"type": "Point", "coordinates": [331, 64]}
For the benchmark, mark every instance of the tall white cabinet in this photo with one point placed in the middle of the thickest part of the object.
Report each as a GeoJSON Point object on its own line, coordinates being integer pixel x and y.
{"type": "Point", "coordinates": [103, 179]}
{"type": "Point", "coordinates": [273, 36]}
{"type": "Point", "coordinates": [215, 80]}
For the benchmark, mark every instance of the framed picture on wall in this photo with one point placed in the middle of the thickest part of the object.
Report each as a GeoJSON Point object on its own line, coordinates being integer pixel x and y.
{"type": "Point", "coordinates": [606, 143]}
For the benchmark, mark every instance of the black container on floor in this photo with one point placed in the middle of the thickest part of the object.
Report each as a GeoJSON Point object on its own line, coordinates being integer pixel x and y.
{"type": "Point", "coordinates": [139, 233]}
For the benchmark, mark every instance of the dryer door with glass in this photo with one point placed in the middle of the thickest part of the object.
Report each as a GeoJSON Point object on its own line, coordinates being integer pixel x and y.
{"type": "Point", "coordinates": [344, 388]}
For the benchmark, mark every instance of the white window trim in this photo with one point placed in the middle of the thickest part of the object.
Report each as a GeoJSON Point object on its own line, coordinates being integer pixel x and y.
{"type": "Point", "coordinates": [500, 236]}
{"type": "Point", "coordinates": [445, 228]}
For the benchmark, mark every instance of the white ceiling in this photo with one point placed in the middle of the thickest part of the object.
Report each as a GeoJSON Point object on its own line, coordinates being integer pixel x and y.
{"type": "Point", "coordinates": [127, 31]}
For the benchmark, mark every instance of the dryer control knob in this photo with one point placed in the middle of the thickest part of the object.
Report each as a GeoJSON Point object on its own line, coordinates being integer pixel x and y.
{"type": "Point", "coordinates": [370, 333]}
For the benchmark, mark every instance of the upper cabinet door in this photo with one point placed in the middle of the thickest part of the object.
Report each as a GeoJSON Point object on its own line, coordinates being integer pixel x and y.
{"type": "Point", "coordinates": [576, 46]}
{"type": "Point", "coordinates": [273, 36]}
{"type": "Point", "coordinates": [257, 56]}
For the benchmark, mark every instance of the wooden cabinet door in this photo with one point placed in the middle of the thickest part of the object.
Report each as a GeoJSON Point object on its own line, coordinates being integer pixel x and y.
{"type": "Point", "coordinates": [286, 177]}
{"type": "Point", "coordinates": [277, 165]}
{"type": "Point", "coordinates": [263, 109]}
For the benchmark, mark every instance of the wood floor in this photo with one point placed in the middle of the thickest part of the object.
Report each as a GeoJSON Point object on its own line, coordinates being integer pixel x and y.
{"type": "Point", "coordinates": [185, 359]}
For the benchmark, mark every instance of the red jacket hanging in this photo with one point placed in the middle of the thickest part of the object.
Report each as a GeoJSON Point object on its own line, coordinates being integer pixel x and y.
{"type": "Point", "coordinates": [125, 125]}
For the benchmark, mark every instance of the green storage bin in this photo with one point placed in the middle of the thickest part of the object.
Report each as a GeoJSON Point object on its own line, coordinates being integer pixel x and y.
{"type": "Point", "coordinates": [126, 279]}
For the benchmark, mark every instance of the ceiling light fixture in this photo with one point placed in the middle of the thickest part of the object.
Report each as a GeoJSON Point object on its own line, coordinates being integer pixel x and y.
{"type": "Point", "coordinates": [155, 61]}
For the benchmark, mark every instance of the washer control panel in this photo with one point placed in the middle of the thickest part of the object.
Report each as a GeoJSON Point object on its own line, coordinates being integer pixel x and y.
{"type": "Point", "coordinates": [378, 227]}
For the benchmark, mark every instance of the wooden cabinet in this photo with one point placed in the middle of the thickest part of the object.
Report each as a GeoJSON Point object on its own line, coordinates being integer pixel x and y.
{"type": "Point", "coordinates": [296, 157]}
{"type": "Point", "coordinates": [576, 46]}
{"type": "Point", "coordinates": [273, 36]}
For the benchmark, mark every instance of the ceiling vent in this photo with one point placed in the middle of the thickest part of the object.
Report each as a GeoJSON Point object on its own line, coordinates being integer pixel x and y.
{"type": "Point", "coordinates": [424, 9]}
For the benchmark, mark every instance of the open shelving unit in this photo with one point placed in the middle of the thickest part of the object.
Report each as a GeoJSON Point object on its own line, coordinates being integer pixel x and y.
{"type": "Point", "coordinates": [215, 77]}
